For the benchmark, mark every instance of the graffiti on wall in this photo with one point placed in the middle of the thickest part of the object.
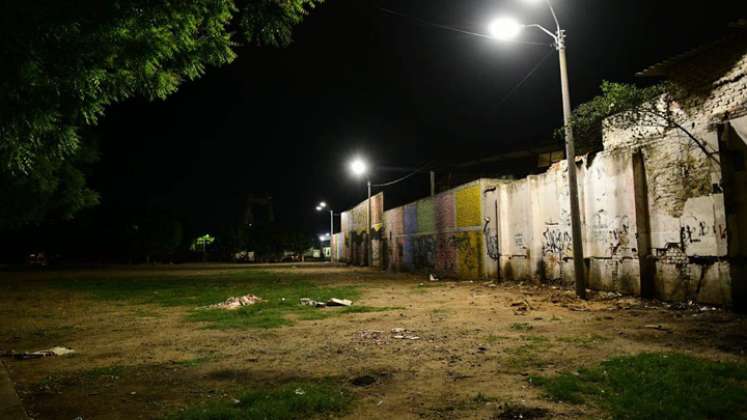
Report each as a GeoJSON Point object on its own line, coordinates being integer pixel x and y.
{"type": "Point", "coordinates": [491, 241]}
{"type": "Point", "coordinates": [614, 232]}
{"type": "Point", "coordinates": [694, 231]}
{"type": "Point", "coordinates": [556, 241]}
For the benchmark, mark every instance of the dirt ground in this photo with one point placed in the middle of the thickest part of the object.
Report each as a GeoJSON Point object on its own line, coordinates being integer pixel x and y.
{"type": "Point", "coordinates": [478, 343]}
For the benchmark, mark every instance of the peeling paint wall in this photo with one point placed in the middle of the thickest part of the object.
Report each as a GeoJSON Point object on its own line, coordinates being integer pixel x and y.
{"type": "Point", "coordinates": [662, 182]}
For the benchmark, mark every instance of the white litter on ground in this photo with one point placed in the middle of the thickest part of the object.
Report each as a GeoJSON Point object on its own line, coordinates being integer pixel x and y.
{"type": "Point", "coordinates": [235, 302]}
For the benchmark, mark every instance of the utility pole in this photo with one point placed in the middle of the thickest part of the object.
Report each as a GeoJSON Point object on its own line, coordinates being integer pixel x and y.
{"type": "Point", "coordinates": [433, 183]}
{"type": "Point", "coordinates": [579, 266]}
{"type": "Point", "coordinates": [370, 240]}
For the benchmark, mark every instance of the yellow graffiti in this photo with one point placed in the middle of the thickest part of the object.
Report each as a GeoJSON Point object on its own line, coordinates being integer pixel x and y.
{"type": "Point", "coordinates": [469, 254]}
{"type": "Point", "coordinates": [468, 207]}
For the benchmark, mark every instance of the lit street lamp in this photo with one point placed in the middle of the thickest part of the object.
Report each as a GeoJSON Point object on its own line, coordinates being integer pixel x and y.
{"type": "Point", "coordinates": [321, 207]}
{"type": "Point", "coordinates": [506, 28]}
{"type": "Point", "coordinates": [359, 168]}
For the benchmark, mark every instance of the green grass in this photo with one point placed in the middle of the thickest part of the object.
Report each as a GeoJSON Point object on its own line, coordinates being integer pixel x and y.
{"type": "Point", "coordinates": [294, 400]}
{"type": "Point", "coordinates": [197, 361]}
{"type": "Point", "coordinates": [656, 386]}
{"type": "Point", "coordinates": [521, 326]}
{"type": "Point", "coordinates": [492, 338]}
{"type": "Point", "coordinates": [585, 341]}
{"type": "Point", "coordinates": [280, 295]}
{"type": "Point", "coordinates": [529, 355]}
{"type": "Point", "coordinates": [102, 372]}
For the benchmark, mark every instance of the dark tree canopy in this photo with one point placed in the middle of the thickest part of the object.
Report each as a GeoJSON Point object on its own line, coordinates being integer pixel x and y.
{"type": "Point", "coordinates": [63, 63]}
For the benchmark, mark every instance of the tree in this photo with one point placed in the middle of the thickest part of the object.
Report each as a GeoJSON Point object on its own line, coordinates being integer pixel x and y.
{"type": "Point", "coordinates": [632, 108]}
{"type": "Point", "coordinates": [62, 64]}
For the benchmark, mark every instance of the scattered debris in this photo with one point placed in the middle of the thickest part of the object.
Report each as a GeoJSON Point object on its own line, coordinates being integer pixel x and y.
{"type": "Point", "coordinates": [312, 302]}
{"type": "Point", "coordinates": [235, 302]}
{"type": "Point", "coordinates": [403, 334]}
{"type": "Point", "coordinates": [54, 351]}
{"type": "Point", "coordinates": [515, 411]}
{"type": "Point", "coordinates": [300, 391]}
{"type": "Point", "coordinates": [522, 307]}
{"type": "Point", "coordinates": [658, 327]}
{"type": "Point", "coordinates": [375, 336]}
{"type": "Point", "coordinates": [364, 380]}
{"type": "Point", "coordinates": [433, 277]}
{"type": "Point", "coordinates": [331, 302]}
{"type": "Point", "coordinates": [339, 302]}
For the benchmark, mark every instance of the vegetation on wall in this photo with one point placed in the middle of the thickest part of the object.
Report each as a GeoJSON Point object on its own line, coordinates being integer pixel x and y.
{"type": "Point", "coordinates": [644, 111]}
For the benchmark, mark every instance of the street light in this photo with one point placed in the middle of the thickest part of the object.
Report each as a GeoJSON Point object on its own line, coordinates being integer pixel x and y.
{"type": "Point", "coordinates": [506, 28]}
{"type": "Point", "coordinates": [359, 168]}
{"type": "Point", "coordinates": [322, 205]}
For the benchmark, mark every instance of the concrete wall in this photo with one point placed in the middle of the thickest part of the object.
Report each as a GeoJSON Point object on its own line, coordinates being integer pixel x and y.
{"type": "Point", "coordinates": [661, 214]}
{"type": "Point", "coordinates": [440, 234]}
{"type": "Point", "coordinates": [352, 241]}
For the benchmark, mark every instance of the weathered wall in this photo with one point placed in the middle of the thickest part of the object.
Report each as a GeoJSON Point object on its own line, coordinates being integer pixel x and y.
{"type": "Point", "coordinates": [686, 181]}
{"type": "Point", "coordinates": [655, 206]}
{"type": "Point", "coordinates": [353, 238]}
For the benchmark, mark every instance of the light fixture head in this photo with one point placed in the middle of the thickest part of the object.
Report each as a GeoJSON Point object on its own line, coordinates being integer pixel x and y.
{"type": "Point", "coordinates": [358, 167]}
{"type": "Point", "coordinates": [323, 204]}
{"type": "Point", "coordinates": [505, 28]}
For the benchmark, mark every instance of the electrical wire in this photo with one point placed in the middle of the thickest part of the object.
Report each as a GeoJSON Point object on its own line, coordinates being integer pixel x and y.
{"type": "Point", "coordinates": [454, 29]}
{"type": "Point", "coordinates": [398, 180]}
{"type": "Point", "coordinates": [524, 80]}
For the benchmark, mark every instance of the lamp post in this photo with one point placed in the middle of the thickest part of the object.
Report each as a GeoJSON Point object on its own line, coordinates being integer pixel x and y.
{"type": "Point", "coordinates": [505, 29]}
{"type": "Point", "coordinates": [321, 207]}
{"type": "Point", "coordinates": [359, 168]}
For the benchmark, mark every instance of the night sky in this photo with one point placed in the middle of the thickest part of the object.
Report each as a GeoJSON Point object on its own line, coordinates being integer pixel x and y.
{"type": "Point", "coordinates": [358, 80]}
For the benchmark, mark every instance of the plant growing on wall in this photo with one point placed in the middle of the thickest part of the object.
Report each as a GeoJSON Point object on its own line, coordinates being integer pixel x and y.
{"type": "Point", "coordinates": [645, 112]}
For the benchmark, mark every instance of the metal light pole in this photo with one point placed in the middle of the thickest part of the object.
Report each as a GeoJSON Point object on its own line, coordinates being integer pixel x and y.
{"type": "Point", "coordinates": [368, 226]}
{"type": "Point", "coordinates": [506, 29]}
{"type": "Point", "coordinates": [359, 168]}
{"type": "Point", "coordinates": [321, 207]}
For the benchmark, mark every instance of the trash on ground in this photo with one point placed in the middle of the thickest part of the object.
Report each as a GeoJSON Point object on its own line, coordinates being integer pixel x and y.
{"type": "Point", "coordinates": [403, 334]}
{"type": "Point", "coordinates": [339, 302]}
{"type": "Point", "coordinates": [331, 302]}
{"type": "Point", "coordinates": [521, 307]}
{"type": "Point", "coordinates": [373, 336]}
{"type": "Point", "coordinates": [313, 303]}
{"type": "Point", "coordinates": [54, 351]}
{"type": "Point", "coordinates": [433, 277]}
{"type": "Point", "coordinates": [235, 302]}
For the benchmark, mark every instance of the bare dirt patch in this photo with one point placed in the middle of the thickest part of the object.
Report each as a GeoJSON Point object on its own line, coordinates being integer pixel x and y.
{"type": "Point", "coordinates": [475, 351]}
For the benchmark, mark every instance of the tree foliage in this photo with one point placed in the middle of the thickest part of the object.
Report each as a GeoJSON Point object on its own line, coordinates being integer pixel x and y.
{"type": "Point", "coordinates": [624, 105]}
{"type": "Point", "coordinates": [644, 112]}
{"type": "Point", "coordinates": [63, 63]}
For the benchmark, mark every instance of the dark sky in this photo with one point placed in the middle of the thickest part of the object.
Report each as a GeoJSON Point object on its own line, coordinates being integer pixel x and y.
{"type": "Point", "coordinates": [360, 81]}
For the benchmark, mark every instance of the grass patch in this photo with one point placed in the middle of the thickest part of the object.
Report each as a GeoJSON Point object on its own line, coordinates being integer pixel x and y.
{"type": "Point", "coordinates": [521, 326]}
{"type": "Point", "coordinates": [290, 401]}
{"type": "Point", "coordinates": [586, 341]}
{"type": "Point", "coordinates": [197, 361]}
{"type": "Point", "coordinates": [280, 294]}
{"type": "Point", "coordinates": [111, 372]}
{"type": "Point", "coordinates": [492, 339]}
{"type": "Point", "coordinates": [529, 354]}
{"type": "Point", "coordinates": [656, 386]}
